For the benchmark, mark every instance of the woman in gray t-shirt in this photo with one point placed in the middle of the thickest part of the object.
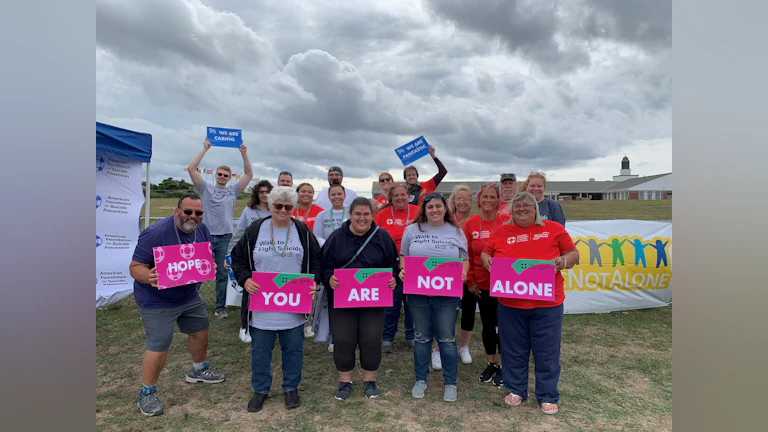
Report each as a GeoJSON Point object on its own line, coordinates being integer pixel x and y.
{"type": "Point", "coordinates": [434, 234]}
{"type": "Point", "coordinates": [329, 220]}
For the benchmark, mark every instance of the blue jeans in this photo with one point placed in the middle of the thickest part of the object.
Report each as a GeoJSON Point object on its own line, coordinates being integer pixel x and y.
{"type": "Point", "coordinates": [292, 349]}
{"type": "Point", "coordinates": [219, 244]}
{"type": "Point", "coordinates": [435, 318]}
{"type": "Point", "coordinates": [523, 331]}
{"type": "Point", "coordinates": [392, 316]}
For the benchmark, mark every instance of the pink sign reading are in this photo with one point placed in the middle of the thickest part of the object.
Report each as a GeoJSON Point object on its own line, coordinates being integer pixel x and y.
{"type": "Point", "coordinates": [184, 264]}
{"type": "Point", "coordinates": [363, 288]}
{"type": "Point", "coordinates": [527, 279]}
{"type": "Point", "coordinates": [433, 276]}
{"type": "Point", "coordinates": [282, 292]}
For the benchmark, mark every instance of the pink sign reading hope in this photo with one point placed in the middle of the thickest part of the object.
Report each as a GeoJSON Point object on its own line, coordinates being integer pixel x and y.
{"type": "Point", "coordinates": [282, 292]}
{"type": "Point", "coordinates": [527, 279]}
{"type": "Point", "coordinates": [363, 288]}
{"type": "Point", "coordinates": [184, 264]}
{"type": "Point", "coordinates": [433, 276]}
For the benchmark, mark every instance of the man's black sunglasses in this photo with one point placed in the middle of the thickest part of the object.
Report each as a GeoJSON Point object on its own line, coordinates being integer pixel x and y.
{"type": "Point", "coordinates": [428, 198]}
{"type": "Point", "coordinates": [189, 212]}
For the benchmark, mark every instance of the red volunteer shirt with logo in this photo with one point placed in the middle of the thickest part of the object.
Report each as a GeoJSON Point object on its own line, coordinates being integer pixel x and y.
{"type": "Point", "coordinates": [396, 226]}
{"type": "Point", "coordinates": [308, 217]}
{"type": "Point", "coordinates": [533, 242]}
{"type": "Point", "coordinates": [382, 200]}
{"type": "Point", "coordinates": [476, 240]}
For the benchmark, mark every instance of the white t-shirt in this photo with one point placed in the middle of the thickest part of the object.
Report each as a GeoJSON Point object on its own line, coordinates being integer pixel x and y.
{"type": "Point", "coordinates": [327, 221]}
{"type": "Point", "coordinates": [266, 259]}
{"type": "Point", "coordinates": [249, 215]}
{"type": "Point", "coordinates": [323, 201]}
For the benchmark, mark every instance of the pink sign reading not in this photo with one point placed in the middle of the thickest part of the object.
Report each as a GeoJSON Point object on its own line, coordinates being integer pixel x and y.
{"type": "Point", "coordinates": [184, 264]}
{"type": "Point", "coordinates": [282, 292]}
{"type": "Point", "coordinates": [433, 276]}
{"type": "Point", "coordinates": [527, 279]}
{"type": "Point", "coordinates": [363, 288]}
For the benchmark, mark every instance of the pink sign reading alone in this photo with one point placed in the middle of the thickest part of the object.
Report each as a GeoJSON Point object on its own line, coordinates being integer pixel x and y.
{"type": "Point", "coordinates": [433, 276]}
{"type": "Point", "coordinates": [528, 279]}
{"type": "Point", "coordinates": [363, 288]}
{"type": "Point", "coordinates": [282, 292]}
{"type": "Point", "coordinates": [184, 264]}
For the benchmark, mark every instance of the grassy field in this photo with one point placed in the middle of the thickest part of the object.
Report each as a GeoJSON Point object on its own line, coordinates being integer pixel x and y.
{"type": "Point", "coordinates": [616, 373]}
{"type": "Point", "coordinates": [574, 210]}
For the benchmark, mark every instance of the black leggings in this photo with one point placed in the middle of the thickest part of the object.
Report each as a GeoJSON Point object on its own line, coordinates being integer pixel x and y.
{"type": "Point", "coordinates": [356, 327]}
{"type": "Point", "coordinates": [468, 306]}
{"type": "Point", "coordinates": [489, 318]}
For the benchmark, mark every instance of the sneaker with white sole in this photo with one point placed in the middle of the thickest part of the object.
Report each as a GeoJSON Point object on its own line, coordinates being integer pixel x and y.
{"type": "Point", "coordinates": [418, 389]}
{"type": "Point", "coordinates": [386, 347]}
{"type": "Point", "coordinates": [450, 393]}
{"type": "Point", "coordinates": [204, 375]}
{"type": "Point", "coordinates": [244, 336]}
{"type": "Point", "coordinates": [330, 347]}
{"type": "Point", "coordinates": [221, 313]}
{"type": "Point", "coordinates": [489, 372]}
{"type": "Point", "coordinates": [437, 364]}
{"type": "Point", "coordinates": [370, 389]}
{"type": "Point", "coordinates": [464, 354]}
{"type": "Point", "coordinates": [343, 392]}
{"type": "Point", "coordinates": [149, 404]}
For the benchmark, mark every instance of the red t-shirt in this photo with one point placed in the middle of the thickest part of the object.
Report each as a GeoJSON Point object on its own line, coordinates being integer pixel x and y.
{"type": "Point", "coordinates": [382, 200]}
{"type": "Point", "coordinates": [532, 242]}
{"type": "Point", "coordinates": [476, 240]}
{"type": "Point", "coordinates": [308, 217]}
{"type": "Point", "coordinates": [395, 226]}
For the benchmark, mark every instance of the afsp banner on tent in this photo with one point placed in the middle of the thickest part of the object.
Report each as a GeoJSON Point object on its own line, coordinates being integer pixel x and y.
{"type": "Point", "coordinates": [118, 203]}
{"type": "Point", "coordinates": [624, 264]}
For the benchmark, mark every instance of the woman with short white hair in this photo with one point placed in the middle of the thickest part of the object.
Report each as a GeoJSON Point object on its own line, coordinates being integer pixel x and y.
{"type": "Point", "coordinates": [276, 243]}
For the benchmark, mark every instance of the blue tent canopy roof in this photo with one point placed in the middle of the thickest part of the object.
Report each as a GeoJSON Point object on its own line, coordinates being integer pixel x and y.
{"type": "Point", "coordinates": [123, 142]}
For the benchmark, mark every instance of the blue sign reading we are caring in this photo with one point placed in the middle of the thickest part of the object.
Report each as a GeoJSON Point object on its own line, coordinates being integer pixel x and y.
{"type": "Point", "coordinates": [413, 150]}
{"type": "Point", "coordinates": [223, 137]}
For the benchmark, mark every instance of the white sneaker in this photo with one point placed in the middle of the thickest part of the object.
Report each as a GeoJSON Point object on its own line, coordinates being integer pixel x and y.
{"type": "Point", "coordinates": [308, 333]}
{"type": "Point", "coordinates": [437, 364]}
{"type": "Point", "coordinates": [330, 347]}
{"type": "Point", "coordinates": [464, 353]}
{"type": "Point", "coordinates": [245, 337]}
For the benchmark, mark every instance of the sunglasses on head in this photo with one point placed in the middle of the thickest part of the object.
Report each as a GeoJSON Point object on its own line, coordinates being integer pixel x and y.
{"type": "Point", "coordinates": [386, 179]}
{"type": "Point", "coordinates": [279, 207]}
{"type": "Point", "coordinates": [221, 174]}
{"type": "Point", "coordinates": [189, 212]}
{"type": "Point", "coordinates": [428, 198]}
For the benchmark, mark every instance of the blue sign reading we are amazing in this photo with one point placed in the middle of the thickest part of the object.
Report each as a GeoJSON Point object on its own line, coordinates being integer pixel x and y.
{"type": "Point", "coordinates": [223, 137]}
{"type": "Point", "coordinates": [413, 150]}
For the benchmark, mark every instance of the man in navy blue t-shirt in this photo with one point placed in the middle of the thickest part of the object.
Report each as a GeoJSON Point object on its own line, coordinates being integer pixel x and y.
{"type": "Point", "coordinates": [161, 309]}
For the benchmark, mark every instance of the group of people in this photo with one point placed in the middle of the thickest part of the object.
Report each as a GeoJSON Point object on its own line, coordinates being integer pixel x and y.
{"type": "Point", "coordinates": [284, 230]}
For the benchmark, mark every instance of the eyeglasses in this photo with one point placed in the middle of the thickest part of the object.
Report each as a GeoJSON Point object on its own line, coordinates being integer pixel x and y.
{"type": "Point", "coordinates": [463, 200]}
{"type": "Point", "coordinates": [385, 180]}
{"type": "Point", "coordinates": [220, 174]}
{"type": "Point", "coordinates": [189, 212]}
{"type": "Point", "coordinates": [279, 207]}
{"type": "Point", "coordinates": [428, 198]}
{"type": "Point", "coordinates": [522, 206]}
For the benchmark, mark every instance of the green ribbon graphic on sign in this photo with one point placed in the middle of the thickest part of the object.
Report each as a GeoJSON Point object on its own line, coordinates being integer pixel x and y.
{"type": "Point", "coordinates": [364, 274]}
{"type": "Point", "coordinates": [431, 263]}
{"type": "Point", "coordinates": [284, 278]}
{"type": "Point", "coordinates": [523, 264]}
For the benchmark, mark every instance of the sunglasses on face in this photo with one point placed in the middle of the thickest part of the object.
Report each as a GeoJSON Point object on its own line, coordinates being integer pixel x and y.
{"type": "Point", "coordinates": [189, 212]}
{"type": "Point", "coordinates": [428, 198]}
{"type": "Point", "coordinates": [225, 175]}
{"type": "Point", "coordinates": [522, 206]}
{"type": "Point", "coordinates": [279, 207]}
{"type": "Point", "coordinates": [383, 180]}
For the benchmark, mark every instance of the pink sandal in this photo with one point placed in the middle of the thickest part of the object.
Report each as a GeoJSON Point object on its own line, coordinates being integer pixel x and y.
{"type": "Point", "coordinates": [549, 405]}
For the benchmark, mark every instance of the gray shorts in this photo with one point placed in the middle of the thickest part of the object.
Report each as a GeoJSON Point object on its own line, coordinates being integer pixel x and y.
{"type": "Point", "coordinates": [158, 323]}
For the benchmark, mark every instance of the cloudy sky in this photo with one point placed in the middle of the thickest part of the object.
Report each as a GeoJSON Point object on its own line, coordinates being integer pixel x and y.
{"type": "Point", "coordinates": [495, 86]}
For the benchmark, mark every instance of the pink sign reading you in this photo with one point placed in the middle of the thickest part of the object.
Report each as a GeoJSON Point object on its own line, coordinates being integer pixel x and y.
{"type": "Point", "coordinates": [282, 292]}
{"type": "Point", "coordinates": [528, 279]}
{"type": "Point", "coordinates": [363, 288]}
{"type": "Point", "coordinates": [184, 264]}
{"type": "Point", "coordinates": [433, 276]}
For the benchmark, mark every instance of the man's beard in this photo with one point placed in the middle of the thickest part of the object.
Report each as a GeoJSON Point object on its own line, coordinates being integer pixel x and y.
{"type": "Point", "coordinates": [189, 226]}
{"type": "Point", "coordinates": [336, 181]}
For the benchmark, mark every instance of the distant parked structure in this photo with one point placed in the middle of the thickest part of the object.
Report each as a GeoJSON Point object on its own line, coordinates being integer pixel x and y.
{"type": "Point", "coordinates": [624, 186]}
